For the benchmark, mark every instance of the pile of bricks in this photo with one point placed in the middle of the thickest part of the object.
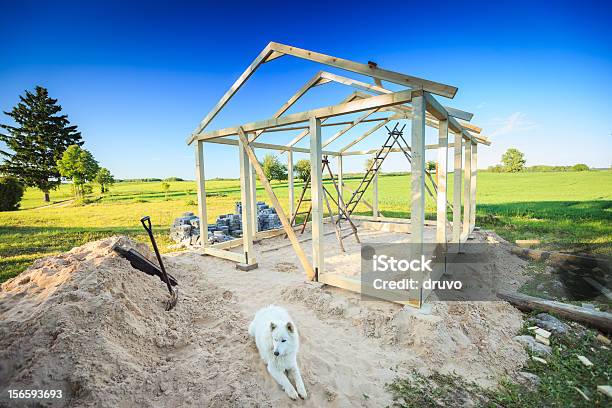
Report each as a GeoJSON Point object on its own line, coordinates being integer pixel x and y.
{"type": "Point", "coordinates": [185, 229]}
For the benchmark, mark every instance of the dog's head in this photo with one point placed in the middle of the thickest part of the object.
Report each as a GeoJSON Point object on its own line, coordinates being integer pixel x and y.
{"type": "Point", "coordinates": [283, 337]}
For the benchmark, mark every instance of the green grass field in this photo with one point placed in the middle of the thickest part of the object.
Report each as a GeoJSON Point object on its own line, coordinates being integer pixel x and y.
{"type": "Point", "coordinates": [569, 211]}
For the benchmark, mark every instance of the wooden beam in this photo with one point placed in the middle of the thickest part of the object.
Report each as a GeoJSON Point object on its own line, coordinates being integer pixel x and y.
{"type": "Point", "coordinates": [246, 200]}
{"type": "Point", "coordinates": [593, 318]}
{"type": "Point", "coordinates": [224, 254]}
{"type": "Point", "coordinates": [273, 56]}
{"type": "Point", "coordinates": [269, 146]}
{"type": "Point", "coordinates": [457, 189]}
{"type": "Point", "coordinates": [253, 200]}
{"type": "Point", "coordinates": [369, 132]}
{"type": "Point", "coordinates": [349, 127]}
{"type": "Point", "coordinates": [371, 71]}
{"type": "Point", "coordinates": [294, 98]}
{"type": "Point", "coordinates": [380, 101]}
{"type": "Point", "coordinates": [201, 192]}
{"type": "Point", "coordinates": [340, 181]}
{"type": "Point", "coordinates": [467, 181]}
{"type": "Point", "coordinates": [441, 175]}
{"type": "Point", "coordinates": [316, 196]}
{"type": "Point", "coordinates": [417, 213]}
{"type": "Point", "coordinates": [474, 169]}
{"type": "Point", "coordinates": [277, 206]}
{"type": "Point", "coordinates": [394, 150]}
{"type": "Point", "coordinates": [379, 90]}
{"type": "Point", "coordinates": [290, 175]}
{"type": "Point", "coordinates": [263, 55]}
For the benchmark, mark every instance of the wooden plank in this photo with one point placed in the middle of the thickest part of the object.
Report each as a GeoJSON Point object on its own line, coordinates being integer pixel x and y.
{"type": "Point", "coordinates": [269, 146]}
{"type": "Point", "coordinates": [273, 56]}
{"type": "Point", "coordinates": [369, 132]}
{"type": "Point", "coordinates": [232, 243]}
{"type": "Point", "coordinates": [441, 175]}
{"type": "Point", "coordinates": [474, 169]}
{"type": "Point", "coordinates": [316, 196]}
{"type": "Point", "coordinates": [279, 209]}
{"type": "Point", "coordinates": [201, 192]}
{"type": "Point", "coordinates": [590, 317]}
{"type": "Point", "coordinates": [349, 127]}
{"type": "Point", "coordinates": [290, 175]}
{"type": "Point", "coordinates": [263, 55]}
{"type": "Point", "coordinates": [353, 284]}
{"type": "Point", "coordinates": [379, 90]}
{"type": "Point", "coordinates": [253, 200]}
{"type": "Point", "coordinates": [371, 71]}
{"type": "Point", "coordinates": [246, 200]}
{"type": "Point", "coordinates": [361, 105]}
{"type": "Point", "coordinates": [223, 254]}
{"type": "Point", "coordinates": [457, 189]}
{"type": "Point", "coordinates": [467, 194]}
{"type": "Point", "coordinates": [394, 150]}
{"type": "Point", "coordinates": [417, 215]}
{"type": "Point", "coordinates": [291, 101]}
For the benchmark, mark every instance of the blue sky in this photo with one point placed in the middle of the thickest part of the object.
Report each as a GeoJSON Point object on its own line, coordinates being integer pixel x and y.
{"type": "Point", "coordinates": [137, 77]}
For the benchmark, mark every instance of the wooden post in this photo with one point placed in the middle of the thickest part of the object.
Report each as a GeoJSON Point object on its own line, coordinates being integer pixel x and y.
{"type": "Point", "coordinates": [279, 209]}
{"type": "Point", "coordinates": [253, 201]}
{"type": "Point", "coordinates": [290, 177]}
{"type": "Point", "coordinates": [316, 195]}
{"type": "Point", "coordinates": [375, 196]}
{"type": "Point", "coordinates": [473, 186]}
{"type": "Point", "coordinates": [247, 207]}
{"type": "Point", "coordinates": [340, 182]}
{"type": "Point", "coordinates": [201, 186]}
{"type": "Point", "coordinates": [417, 213]}
{"type": "Point", "coordinates": [442, 168]}
{"type": "Point", "coordinates": [467, 181]}
{"type": "Point", "coordinates": [457, 190]}
{"type": "Point", "coordinates": [417, 209]}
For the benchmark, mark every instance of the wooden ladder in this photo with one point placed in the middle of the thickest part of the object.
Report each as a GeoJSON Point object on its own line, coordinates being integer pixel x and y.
{"type": "Point", "coordinates": [326, 196]}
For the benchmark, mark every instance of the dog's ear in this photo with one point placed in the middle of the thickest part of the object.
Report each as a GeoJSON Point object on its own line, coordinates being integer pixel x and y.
{"type": "Point", "coordinates": [290, 327]}
{"type": "Point", "coordinates": [272, 326]}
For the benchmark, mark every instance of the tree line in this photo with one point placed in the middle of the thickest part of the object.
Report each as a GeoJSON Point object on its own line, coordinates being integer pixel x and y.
{"type": "Point", "coordinates": [44, 149]}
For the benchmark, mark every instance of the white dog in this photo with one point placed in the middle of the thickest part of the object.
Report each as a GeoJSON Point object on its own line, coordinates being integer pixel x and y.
{"type": "Point", "coordinates": [277, 341]}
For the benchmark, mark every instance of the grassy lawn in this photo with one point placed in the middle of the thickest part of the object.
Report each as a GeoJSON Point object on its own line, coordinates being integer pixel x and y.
{"type": "Point", "coordinates": [564, 210]}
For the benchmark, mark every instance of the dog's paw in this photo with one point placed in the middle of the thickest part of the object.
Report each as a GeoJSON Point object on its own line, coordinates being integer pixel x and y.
{"type": "Point", "coordinates": [292, 393]}
{"type": "Point", "coordinates": [302, 394]}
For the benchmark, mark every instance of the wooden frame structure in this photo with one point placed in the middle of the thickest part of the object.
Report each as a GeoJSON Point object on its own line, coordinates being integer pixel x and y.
{"type": "Point", "coordinates": [416, 103]}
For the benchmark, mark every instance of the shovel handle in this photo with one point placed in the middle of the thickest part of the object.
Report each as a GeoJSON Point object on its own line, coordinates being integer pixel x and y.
{"type": "Point", "coordinates": [146, 223]}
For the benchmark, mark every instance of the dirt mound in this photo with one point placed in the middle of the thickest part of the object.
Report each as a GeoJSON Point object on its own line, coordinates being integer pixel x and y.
{"type": "Point", "coordinates": [461, 337]}
{"type": "Point", "coordinates": [87, 323]}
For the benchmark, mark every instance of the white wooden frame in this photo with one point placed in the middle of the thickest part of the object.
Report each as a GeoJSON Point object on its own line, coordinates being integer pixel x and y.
{"type": "Point", "coordinates": [417, 104]}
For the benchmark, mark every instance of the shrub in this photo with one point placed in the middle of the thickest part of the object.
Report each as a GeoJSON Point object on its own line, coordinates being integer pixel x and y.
{"type": "Point", "coordinates": [174, 179]}
{"type": "Point", "coordinates": [11, 191]}
{"type": "Point", "coordinates": [580, 167]}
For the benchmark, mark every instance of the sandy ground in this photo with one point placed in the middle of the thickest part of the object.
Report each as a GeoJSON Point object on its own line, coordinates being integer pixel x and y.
{"type": "Point", "coordinates": [87, 323]}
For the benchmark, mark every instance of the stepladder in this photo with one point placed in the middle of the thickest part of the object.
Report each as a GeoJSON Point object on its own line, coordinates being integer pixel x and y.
{"type": "Point", "coordinates": [328, 196]}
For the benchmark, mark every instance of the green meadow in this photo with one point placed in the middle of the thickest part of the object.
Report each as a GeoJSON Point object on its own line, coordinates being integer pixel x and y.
{"type": "Point", "coordinates": [567, 211]}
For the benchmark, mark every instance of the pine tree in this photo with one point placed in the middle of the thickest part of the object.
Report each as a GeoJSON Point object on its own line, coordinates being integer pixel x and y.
{"type": "Point", "coordinates": [38, 140]}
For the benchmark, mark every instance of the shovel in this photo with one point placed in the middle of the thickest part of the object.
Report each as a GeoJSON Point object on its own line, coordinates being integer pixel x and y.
{"type": "Point", "coordinates": [146, 223]}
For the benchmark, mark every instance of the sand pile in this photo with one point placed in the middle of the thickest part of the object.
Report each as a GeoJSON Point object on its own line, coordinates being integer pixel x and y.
{"type": "Point", "coordinates": [89, 324]}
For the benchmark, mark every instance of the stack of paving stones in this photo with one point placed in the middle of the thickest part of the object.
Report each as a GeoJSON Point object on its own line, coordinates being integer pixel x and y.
{"type": "Point", "coordinates": [185, 229]}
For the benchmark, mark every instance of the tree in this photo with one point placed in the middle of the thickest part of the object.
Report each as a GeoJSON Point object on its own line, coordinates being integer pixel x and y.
{"type": "Point", "coordinates": [368, 163]}
{"type": "Point", "coordinates": [580, 167]}
{"type": "Point", "coordinates": [430, 165]}
{"type": "Point", "coordinates": [105, 179]}
{"type": "Point", "coordinates": [273, 169]}
{"type": "Point", "coordinates": [11, 191]}
{"type": "Point", "coordinates": [302, 169]}
{"type": "Point", "coordinates": [37, 141]}
{"type": "Point", "coordinates": [165, 188]}
{"type": "Point", "coordinates": [513, 160]}
{"type": "Point", "coordinates": [79, 165]}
